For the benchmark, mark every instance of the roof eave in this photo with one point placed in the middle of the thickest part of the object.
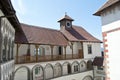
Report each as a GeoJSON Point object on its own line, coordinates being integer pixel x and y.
{"type": "Point", "coordinates": [97, 14]}
{"type": "Point", "coordinates": [65, 19]}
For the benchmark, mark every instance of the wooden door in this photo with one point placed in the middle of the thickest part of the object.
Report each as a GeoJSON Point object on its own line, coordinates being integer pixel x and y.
{"type": "Point", "coordinates": [69, 68]}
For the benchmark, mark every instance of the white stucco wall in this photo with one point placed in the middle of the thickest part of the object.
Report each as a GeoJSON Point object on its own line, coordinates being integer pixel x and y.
{"type": "Point", "coordinates": [113, 51]}
{"type": "Point", "coordinates": [111, 21]}
{"type": "Point", "coordinates": [7, 70]}
{"type": "Point", "coordinates": [7, 30]}
{"type": "Point", "coordinates": [111, 15]}
{"type": "Point", "coordinates": [96, 50]}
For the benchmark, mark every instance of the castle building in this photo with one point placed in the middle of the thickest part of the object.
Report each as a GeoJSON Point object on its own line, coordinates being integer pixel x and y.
{"type": "Point", "coordinates": [48, 54]}
{"type": "Point", "coordinates": [110, 18]}
{"type": "Point", "coordinates": [9, 24]}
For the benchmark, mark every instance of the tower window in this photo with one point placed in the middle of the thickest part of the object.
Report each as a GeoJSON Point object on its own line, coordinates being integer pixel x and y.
{"type": "Point", "coordinates": [68, 24]}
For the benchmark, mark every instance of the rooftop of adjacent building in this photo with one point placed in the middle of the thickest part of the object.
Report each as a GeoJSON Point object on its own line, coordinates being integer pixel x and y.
{"type": "Point", "coordinates": [108, 4]}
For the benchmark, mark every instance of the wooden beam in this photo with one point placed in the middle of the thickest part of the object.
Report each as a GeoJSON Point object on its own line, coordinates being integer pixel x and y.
{"type": "Point", "coordinates": [17, 52]}
{"type": "Point", "coordinates": [36, 47]}
{"type": "Point", "coordinates": [65, 51]}
{"type": "Point", "coordinates": [52, 51]}
{"type": "Point", "coordinates": [72, 49]}
{"type": "Point", "coordinates": [82, 50]}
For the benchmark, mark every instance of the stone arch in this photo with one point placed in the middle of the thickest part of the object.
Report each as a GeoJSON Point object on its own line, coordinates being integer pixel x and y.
{"type": "Point", "coordinates": [37, 72]}
{"type": "Point", "coordinates": [87, 78]}
{"type": "Point", "coordinates": [75, 67]}
{"type": "Point", "coordinates": [25, 73]}
{"type": "Point", "coordinates": [83, 66]}
{"type": "Point", "coordinates": [49, 71]}
{"type": "Point", "coordinates": [66, 68]}
{"type": "Point", "coordinates": [57, 70]}
{"type": "Point", "coordinates": [89, 65]}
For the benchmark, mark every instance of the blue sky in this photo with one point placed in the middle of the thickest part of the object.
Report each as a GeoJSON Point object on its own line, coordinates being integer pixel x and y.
{"type": "Point", "coordinates": [46, 13]}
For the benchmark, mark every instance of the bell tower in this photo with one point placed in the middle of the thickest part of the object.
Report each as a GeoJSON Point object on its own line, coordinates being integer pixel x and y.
{"type": "Point", "coordinates": [65, 22]}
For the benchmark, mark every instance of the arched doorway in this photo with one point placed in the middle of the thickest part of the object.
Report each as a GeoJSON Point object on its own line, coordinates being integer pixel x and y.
{"type": "Point", "coordinates": [66, 68]}
{"type": "Point", "coordinates": [38, 73]}
{"type": "Point", "coordinates": [83, 66]}
{"type": "Point", "coordinates": [75, 67]}
{"type": "Point", "coordinates": [57, 70]}
{"type": "Point", "coordinates": [87, 78]}
{"type": "Point", "coordinates": [49, 71]}
{"type": "Point", "coordinates": [89, 65]}
{"type": "Point", "coordinates": [22, 73]}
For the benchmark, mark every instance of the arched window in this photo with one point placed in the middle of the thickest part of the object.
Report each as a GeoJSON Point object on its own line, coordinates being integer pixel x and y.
{"type": "Point", "coordinates": [5, 49]}
{"type": "Point", "coordinates": [38, 73]}
{"type": "Point", "coordinates": [75, 67]}
{"type": "Point", "coordinates": [89, 65]}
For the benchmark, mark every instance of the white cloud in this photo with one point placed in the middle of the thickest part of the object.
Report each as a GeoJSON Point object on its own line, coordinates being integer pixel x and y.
{"type": "Point", "coordinates": [19, 6]}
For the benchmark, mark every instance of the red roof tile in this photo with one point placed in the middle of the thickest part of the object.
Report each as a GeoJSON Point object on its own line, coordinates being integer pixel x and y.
{"type": "Point", "coordinates": [38, 35]}
{"type": "Point", "coordinates": [106, 5]}
{"type": "Point", "coordinates": [77, 33]}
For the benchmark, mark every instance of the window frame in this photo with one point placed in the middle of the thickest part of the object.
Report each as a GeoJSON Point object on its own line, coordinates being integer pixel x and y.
{"type": "Point", "coordinates": [89, 47]}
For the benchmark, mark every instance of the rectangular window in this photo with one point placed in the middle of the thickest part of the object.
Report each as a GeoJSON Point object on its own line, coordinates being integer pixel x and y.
{"type": "Point", "coordinates": [76, 68]}
{"type": "Point", "coordinates": [100, 68]}
{"type": "Point", "coordinates": [89, 49]}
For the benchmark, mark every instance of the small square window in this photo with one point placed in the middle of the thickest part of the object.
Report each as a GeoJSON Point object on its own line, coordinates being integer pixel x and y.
{"type": "Point", "coordinates": [89, 49]}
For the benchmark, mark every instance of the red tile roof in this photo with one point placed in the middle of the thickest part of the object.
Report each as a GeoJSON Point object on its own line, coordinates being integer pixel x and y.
{"type": "Point", "coordinates": [106, 5]}
{"type": "Point", "coordinates": [77, 33]}
{"type": "Point", "coordinates": [67, 18]}
{"type": "Point", "coordinates": [38, 35]}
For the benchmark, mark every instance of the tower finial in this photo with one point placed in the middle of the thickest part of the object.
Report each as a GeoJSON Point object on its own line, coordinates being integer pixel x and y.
{"type": "Point", "coordinates": [65, 13]}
